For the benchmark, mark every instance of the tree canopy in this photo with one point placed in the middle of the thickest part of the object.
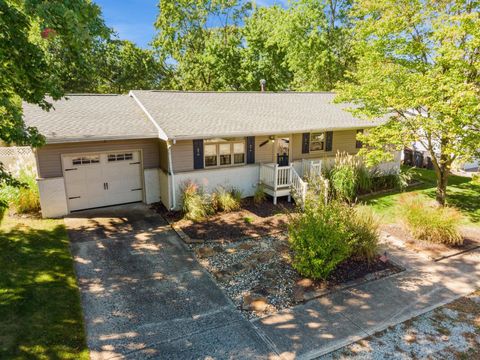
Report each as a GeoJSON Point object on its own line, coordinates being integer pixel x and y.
{"type": "Point", "coordinates": [233, 44]}
{"type": "Point", "coordinates": [418, 64]}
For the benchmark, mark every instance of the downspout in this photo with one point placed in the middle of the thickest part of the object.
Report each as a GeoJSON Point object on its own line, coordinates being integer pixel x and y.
{"type": "Point", "coordinates": [172, 176]}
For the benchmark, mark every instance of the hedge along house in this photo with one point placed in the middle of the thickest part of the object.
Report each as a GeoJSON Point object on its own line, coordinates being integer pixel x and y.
{"type": "Point", "coordinates": [106, 150]}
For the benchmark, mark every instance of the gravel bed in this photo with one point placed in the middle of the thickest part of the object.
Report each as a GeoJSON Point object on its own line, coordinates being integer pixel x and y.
{"type": "Point", "coordinates": [257, 273]}
{"type": "Point", "coordinates": [258, 267]}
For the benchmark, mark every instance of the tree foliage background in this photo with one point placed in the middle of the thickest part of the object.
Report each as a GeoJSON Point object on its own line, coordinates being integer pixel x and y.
{"type": "Point", "coordinates": [417, 60]}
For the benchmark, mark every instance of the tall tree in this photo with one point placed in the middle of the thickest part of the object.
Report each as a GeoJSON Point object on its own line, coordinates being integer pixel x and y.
{"type": "Point", "coordinates": [419, 65]}
{"type": "Point", "coordinates": [262, 56]}
{"type": "Point", "coordinates": [315, 37]}
{"type": "Point", "coordinates": [201, 42]}
{"type": "Point", "coordinates": [30, 71]}
{"type": "Point", "coordinates": [122, 66]}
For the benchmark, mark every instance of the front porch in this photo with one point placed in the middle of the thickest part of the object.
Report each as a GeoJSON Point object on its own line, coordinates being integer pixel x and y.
{"type": "Point", "coordinates": [290, 180]}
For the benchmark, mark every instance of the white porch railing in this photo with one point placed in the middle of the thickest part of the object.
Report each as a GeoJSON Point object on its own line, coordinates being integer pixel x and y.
{"type": "Point", "coordinates": [299, 188]}
{"type": "Point", "coordinates": [275, 176]}
{"type": "Point", "coordinates": [311, 168]}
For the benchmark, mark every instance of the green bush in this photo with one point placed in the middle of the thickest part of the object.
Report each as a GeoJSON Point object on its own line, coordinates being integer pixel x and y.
{"type": "Point", "coordinates": [25, 198]}
{"type": "Point", "coordinates": [364, 230]}
{"type": "Point", "coordinates": [260, 196]}
{"type": "Point", "coordinates": [226, 200]}
{"type": "Point", "coordinates": [319, 239]}
{"type": "Point", "coordinates": [430, 222]}
{"type": "Point", "coordinates": [395, 180]}
{"type": "Point", "coordinates": [476, 178]}
{"type": "Point", "coordinates": [194, 205]}
{"type": "Point", "coordinates": [3, 210]}
{"type": "Point", "coordinates": [325, 235]}
{"type": "Point", "coordinates": [348, 177]}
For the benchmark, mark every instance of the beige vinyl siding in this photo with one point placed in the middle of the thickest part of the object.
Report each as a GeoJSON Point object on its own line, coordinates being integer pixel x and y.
{"type": "Point", "coordinates": [163, 155]}
{"type": "Point", "coordinates": [342, 141]}
{"type": "Point", "coordinates": [263, 154]}
{"type": "Point", "coordinates": [49, 156]}
{"type": "Point", "coordinates": [182, 155]}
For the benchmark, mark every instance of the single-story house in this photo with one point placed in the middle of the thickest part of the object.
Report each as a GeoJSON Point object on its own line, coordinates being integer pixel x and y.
{"type": "Point", "coordinates": [104, 150]}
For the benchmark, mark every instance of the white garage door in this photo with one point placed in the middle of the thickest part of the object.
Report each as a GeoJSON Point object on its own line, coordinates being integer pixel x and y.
{"type": "Point", "coordinates": [95, 180]}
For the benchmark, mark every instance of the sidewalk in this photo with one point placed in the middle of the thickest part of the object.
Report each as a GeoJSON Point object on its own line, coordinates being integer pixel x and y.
{"type": "Point", "coordinates": [328, 323]}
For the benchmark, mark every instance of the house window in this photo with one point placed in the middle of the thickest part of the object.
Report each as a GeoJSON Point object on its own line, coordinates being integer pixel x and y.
{"type": "Point", "coordinates": [84, 160]}
{"type": "Point", "coordinates": [119, 157]}
{"type": "Point", "coordinates": [224, 152]}
{"type": "Point", "coordinates": [317, 141]}
{"type": "Point", "coordinates": [358, 143]}
{"type": "Point", "coordinates": [210, 155]}
{"type": "Point", "coordinates": [238, 153]}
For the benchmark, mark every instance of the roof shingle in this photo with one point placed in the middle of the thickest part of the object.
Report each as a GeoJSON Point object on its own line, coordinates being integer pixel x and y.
{"type": "Point", "coordinates": [86, 117]}
{"type": "Point", "coordinates": [188, 115]}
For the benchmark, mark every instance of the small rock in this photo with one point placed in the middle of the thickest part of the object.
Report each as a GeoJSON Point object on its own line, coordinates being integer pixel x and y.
{"type": "Point", "coordinates": [206, 251]}
{"type": "Point", "coordinates": [255, 303]}
{"type": "Point", "coordinates": [231, 251]}
{"type": "Point", "coordinates": [245, 246]}
{"type": "Point", "coordinates": [305, 283]}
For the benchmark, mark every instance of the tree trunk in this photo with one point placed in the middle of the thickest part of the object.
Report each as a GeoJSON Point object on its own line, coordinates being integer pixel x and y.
{"type": "Point", "coordinates": [442, 181]}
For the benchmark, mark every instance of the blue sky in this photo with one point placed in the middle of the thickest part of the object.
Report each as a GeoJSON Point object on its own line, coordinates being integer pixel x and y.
{"type": "Point", "coordinates": [133, 19]}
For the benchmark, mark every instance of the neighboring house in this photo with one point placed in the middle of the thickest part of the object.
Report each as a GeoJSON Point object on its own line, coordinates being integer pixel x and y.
{"type": "Point", "coordinates": [111, 149]}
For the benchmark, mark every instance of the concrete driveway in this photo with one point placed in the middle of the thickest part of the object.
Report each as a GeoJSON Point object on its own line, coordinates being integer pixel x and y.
{"type": "Point", "coordinates": [145, 296]}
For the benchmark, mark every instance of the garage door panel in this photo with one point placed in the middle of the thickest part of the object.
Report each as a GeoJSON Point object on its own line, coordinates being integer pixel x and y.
{"type": "Point", "coordinates": [104, 180]}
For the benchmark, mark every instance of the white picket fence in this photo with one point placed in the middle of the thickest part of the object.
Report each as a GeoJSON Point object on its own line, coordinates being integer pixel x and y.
{"type": "Point", "coordinates": [17, 158]}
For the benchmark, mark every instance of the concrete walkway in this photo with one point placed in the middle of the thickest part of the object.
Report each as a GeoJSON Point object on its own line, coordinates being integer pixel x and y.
{"type": "Point", "coordinates": [331, 322]}
{"type": "Point", "coordinates": [145, 296]}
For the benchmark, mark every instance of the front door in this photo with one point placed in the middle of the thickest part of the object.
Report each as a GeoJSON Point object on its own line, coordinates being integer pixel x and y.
{"type": "Point", "coordinates": [283, 145]}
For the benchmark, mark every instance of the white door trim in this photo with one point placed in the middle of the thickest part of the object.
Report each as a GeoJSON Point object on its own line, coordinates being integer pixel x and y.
{"type": "Point", "coordinates": [89, 153]}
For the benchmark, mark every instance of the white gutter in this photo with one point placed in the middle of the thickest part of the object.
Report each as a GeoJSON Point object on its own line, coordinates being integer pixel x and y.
{"type": "Point", "coordinates": [162, 136]}
{"type": "Point", "coordinates": [161, 133]}
{"type": "Point", "coordinates": [172, 176]}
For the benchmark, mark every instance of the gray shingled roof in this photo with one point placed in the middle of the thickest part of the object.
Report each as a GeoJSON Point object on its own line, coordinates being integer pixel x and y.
{"type": "Point", "coordinates": [91, 117]}
{"type": "Point", "coordinates": [188, 115]}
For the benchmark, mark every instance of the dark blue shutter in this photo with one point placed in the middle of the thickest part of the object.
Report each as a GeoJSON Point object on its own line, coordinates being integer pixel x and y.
{"type": "Point", "coordinates": [250, 149]}
{"type": "Point", "coordinates": [305, 143]}
{"type": "Point", "coordinates": [329, 141]}
{"type": "Point", "coordinates": [198, 154]}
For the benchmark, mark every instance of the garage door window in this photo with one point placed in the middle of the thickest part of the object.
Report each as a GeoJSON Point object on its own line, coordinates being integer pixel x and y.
{"type": "Point", "coordinates": [83, 160]}
{"type": "Point", "coordinates": [120, 157]}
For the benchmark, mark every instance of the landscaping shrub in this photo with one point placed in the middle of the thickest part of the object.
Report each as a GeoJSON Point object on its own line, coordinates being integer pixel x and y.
{"type": "Point", "coordinates": [260, 196]}
{"type": "Point", "coordinates": [25, 198]}
{"type": "Point", "coordinates": [194, 205]}
{"type": "Point", "coordinates": [430, 222]}
{"type": "Point", "coordinates": [319, 239]}
{"type": "Point", "coordinates": [226, 200]}
{"type": "Point", "coordinates": [364, 230]}
{"type": "Point", "coordinates": [3, 210]}
{"type": "Point", "coordinates": [348, 177]}
{"type": "Point", "coordinates": [476, 179]}
{"type": "Point", "coordinates": [396, 180]}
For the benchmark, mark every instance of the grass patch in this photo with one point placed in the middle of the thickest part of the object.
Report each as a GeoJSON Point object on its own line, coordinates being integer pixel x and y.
{"type": "Point", "coordinates": [462, 193]}
{"type": "Point", "coordinates": [40, 312]}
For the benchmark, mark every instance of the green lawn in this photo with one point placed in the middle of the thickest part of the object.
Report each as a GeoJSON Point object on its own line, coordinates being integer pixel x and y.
{"type": "Point", "coordinates": [40, 312]}
{"type": "Point", "coordinates": [462, 193]}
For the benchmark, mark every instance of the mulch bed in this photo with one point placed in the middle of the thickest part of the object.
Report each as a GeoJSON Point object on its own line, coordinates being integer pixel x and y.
{"type": "Point", "coordinates": [250, 221]}
{"type": "Point", "coordinates": [258, 276]}
{"type": "Point", "coordinates": [436, 252]}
